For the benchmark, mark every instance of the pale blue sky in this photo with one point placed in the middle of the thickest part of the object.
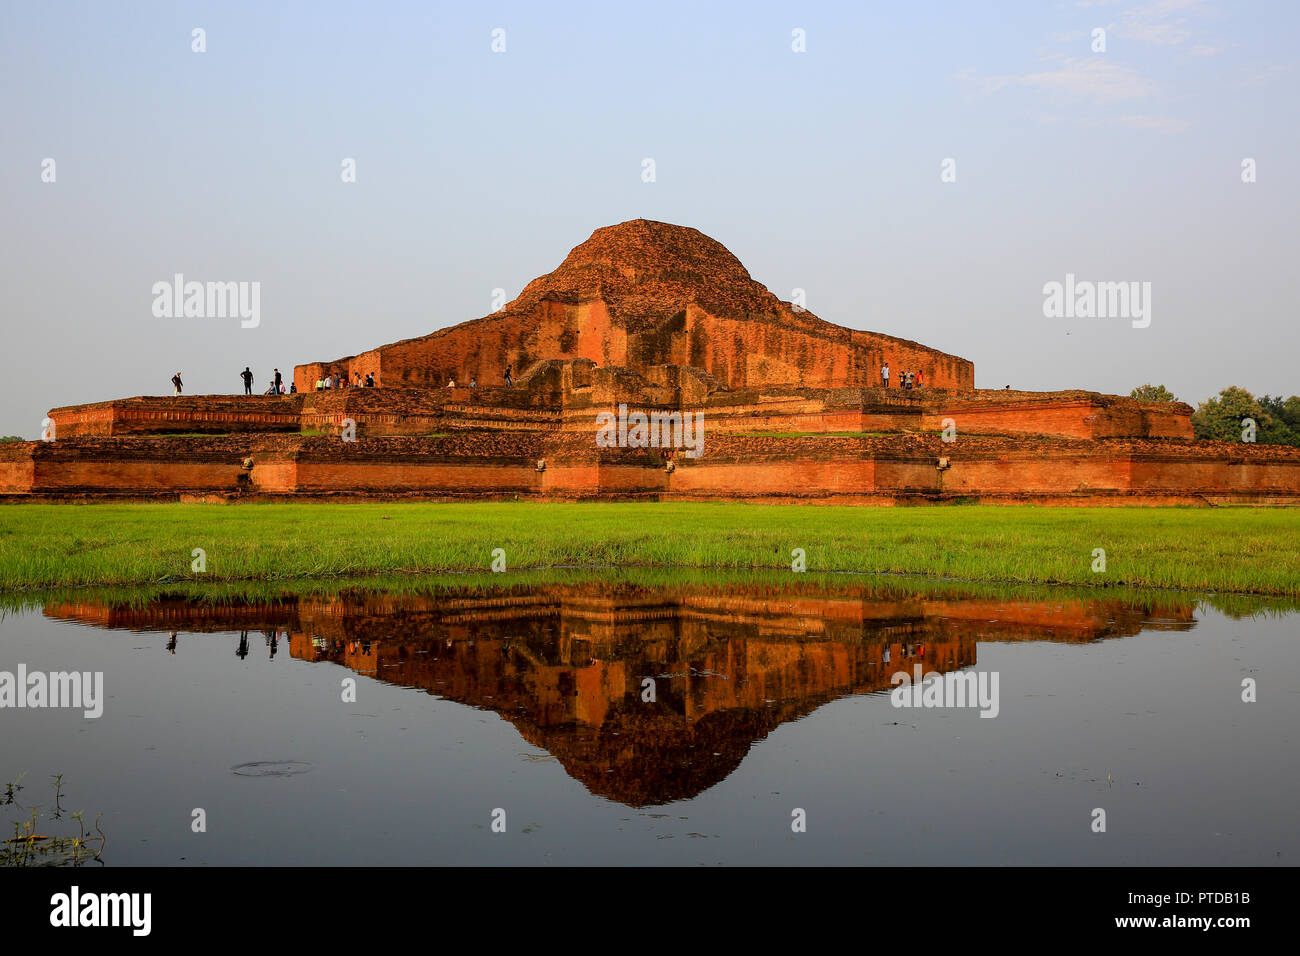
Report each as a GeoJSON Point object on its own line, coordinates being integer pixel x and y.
{"type": "Point", "coordinates": [819, 170]}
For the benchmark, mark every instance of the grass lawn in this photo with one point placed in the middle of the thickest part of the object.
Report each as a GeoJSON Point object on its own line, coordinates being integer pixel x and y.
{"type": "Point", "coordinates": [1243, 550]}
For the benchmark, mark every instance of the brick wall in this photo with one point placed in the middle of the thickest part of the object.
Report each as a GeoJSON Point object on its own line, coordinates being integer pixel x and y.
{"type": "Point", "coordinates": [478, 462]}
{"type": "Point", "coordinates": [740, 352]}
{"type": "Point", "coordinates": [214, 414]}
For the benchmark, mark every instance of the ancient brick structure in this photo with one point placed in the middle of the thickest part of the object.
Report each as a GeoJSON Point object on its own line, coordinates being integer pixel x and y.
{"type": "Point", "coordinates": [648, 319]}
{"type": "Point", "coordinates": [641, 294]}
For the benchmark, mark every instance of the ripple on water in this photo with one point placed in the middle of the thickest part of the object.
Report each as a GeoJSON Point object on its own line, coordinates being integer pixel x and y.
{"type": "Point", "coordinates": [271, 768]}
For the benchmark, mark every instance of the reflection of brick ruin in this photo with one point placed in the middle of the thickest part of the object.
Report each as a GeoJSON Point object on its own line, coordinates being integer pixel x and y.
{"type": "Point", "coordinates": [565, 664]}
{"type": "Point", "coordinates": [661, 319]}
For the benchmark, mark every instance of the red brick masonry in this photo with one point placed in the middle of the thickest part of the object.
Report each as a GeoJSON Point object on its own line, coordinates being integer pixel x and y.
{"type": "Point", "coordinates": [652, 318]}
{"type": "Point", "coordinates": [478, 464]}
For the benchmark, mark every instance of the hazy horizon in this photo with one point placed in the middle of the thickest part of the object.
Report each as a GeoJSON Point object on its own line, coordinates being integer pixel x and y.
{"type": "Point", "coordinates": [477, 170]}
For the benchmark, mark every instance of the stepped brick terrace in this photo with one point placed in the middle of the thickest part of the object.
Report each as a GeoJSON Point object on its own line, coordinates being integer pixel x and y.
{"type": "Point", "coordinates": [656, 325]}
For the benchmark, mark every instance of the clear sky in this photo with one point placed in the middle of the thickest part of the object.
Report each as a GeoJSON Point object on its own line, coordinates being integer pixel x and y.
{"type": "Point", "coordinates": [477, 170]}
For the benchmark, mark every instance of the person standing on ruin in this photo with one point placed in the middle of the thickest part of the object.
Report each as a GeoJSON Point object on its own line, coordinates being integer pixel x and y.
{"type": "Point", "coordinates": [920, 378]}
{"type": "Point", "coordinates": [176, 383]}
{"type": "Point", "coordinates": [509, 381]}
{"type": "Point", "coordinates": [884, 374]}
{"type": "Point", "coordinates": [278, 381]}
{"type": "Point", "coordinates": [247, 376]}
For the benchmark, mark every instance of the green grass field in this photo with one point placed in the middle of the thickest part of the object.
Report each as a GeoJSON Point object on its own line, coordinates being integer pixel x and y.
{"type": "Point", "coordinates": [1240, 550]}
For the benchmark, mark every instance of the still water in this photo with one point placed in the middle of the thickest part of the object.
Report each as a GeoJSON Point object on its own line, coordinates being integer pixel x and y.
{"type": "Point", "coordinates": [659, 720]}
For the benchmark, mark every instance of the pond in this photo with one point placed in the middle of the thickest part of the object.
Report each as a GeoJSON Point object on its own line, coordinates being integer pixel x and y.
{"type": "Point", "coordinates": [658, 718]}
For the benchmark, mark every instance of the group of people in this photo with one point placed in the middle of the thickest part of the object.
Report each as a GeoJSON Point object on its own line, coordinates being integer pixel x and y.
{"type": "Point", "coordinates": [906, 379]}
{"type": "Point", "coordinates": [473, 381]}
{"type": "Point", "coordinates": [341, 381]}
{"type": "Point", "coordinates": [276, 385]}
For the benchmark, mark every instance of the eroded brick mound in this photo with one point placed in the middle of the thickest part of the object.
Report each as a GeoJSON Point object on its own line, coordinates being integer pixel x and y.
{"type": "Point", "coordinates": [641, 294]}
{"type": "Point", "coordinates": [649, 271]}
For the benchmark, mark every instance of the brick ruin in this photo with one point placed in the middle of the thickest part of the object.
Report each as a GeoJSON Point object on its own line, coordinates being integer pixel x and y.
{"type": "Point", "coordinates": [650, 319]}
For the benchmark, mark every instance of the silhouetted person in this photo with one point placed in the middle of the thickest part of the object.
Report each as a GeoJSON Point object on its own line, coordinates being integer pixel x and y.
{"type": "Point", "coordinates": [171, 644]}
{"type": "Point", "coordinates": [278, 381]}
{"type": "Point", "coordinates": [247, 376]}
{"type": "Point", "coordinates": [242, 651]}
{"type": "Point", "coordinates": [293, 388]}
{"type": "Point", "coordinates": [176, 383]}
{"type": "Point", "coordinates": [509, 381]}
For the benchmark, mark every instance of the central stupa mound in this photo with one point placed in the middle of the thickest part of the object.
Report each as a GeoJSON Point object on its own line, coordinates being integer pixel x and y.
{"type": "Point", "coordinates": [646, 272]}
{"type": "Point", "coordinates": [645, 293]}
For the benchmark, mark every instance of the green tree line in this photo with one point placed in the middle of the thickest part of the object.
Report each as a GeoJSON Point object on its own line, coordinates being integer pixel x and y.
{"type": "Point", "coordinates": [1277, 419]}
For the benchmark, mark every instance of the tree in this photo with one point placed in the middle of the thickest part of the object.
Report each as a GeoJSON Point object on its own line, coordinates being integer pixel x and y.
{"type": "Point", "coordinates": [1220, 419]}
{"type": "Point", "coordinates": [1286, 411]}
{"type": "Point", "coordinates": [1152, 393]}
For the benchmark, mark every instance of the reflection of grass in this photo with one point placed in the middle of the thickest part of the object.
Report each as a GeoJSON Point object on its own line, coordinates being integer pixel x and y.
{"type": "Point", "coordinates": [61, 545]}
{"type": "Point", "coordinates": [30, 847]}
{"type": "Point", "coordinates": [782, 584]}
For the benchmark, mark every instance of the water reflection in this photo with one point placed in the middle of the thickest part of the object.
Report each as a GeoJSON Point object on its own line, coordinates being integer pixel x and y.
{"type": "Point", "coordinates": [646, 693]}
